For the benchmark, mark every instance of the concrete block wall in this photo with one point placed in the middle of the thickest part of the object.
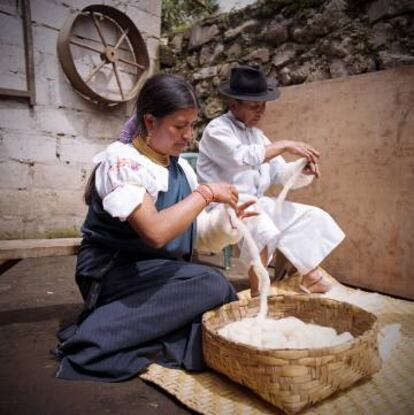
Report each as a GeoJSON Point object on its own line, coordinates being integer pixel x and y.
{"type": "Point", "coordinates": [46, 151]}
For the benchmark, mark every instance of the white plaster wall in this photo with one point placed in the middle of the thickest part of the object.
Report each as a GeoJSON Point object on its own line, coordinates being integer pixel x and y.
{"type": "Point", "coordinates": [46, 150]}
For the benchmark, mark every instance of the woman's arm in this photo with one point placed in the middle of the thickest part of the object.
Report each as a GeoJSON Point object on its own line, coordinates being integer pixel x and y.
{"type": "Point", "coordinates": [158, 228]}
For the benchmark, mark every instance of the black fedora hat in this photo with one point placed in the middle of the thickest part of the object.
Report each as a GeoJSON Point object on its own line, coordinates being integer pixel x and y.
{"type": "Point", "coordinates": [248, 83]}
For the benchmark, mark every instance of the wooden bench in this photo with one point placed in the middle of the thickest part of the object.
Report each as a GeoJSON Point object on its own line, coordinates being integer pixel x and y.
{"type": "Point", "coordinates": [14, 250]}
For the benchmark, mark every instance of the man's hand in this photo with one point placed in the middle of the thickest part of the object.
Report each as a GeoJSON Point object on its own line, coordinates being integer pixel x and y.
{"type": "Point", "coordinates": [312, 169]}
{"type": "Point", "coordinates": [300, 148]}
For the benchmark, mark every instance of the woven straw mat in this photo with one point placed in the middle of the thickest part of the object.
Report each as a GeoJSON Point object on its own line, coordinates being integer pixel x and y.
{"type": "Point", "coordinates": [390, 391]}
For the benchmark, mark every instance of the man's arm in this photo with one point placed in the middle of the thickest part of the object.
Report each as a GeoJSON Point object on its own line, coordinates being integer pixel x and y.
{"type": "Point", "coordinates": [293, 147]}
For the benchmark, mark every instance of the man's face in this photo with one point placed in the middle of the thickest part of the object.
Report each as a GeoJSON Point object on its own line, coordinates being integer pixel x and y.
{"type": "Point", "coordinates": [248, 112]}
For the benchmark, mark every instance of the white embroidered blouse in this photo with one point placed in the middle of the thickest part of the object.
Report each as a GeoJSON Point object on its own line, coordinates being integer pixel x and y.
{"type": "Point", "coordinates": [124, 176]}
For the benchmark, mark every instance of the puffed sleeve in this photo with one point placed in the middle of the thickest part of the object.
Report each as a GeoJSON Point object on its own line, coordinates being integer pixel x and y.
{"type": "Point", "coordinates": [122, 182]}
{"type": "Point", "coordinates": [220, 143]}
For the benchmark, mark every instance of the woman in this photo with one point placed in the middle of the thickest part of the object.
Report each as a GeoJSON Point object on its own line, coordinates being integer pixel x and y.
{"type": "Point", "coordinates": [144, 299]}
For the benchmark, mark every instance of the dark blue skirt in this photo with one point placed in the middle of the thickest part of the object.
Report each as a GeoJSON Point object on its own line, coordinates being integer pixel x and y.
{"type": "Point", "coordinates": [147, 311]}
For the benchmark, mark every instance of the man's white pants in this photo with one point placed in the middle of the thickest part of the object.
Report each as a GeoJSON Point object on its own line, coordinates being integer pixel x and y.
{"type": "Point", "coordinates": [304, 234]}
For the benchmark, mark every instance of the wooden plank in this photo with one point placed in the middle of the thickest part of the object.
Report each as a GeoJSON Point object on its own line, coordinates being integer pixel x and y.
{"type": "Point", "coordinates": [33, 248]}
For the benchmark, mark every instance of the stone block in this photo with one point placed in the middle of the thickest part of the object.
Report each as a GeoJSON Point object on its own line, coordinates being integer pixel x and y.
{"type": "Point", "coordinates": [44, 39]}
{"type": "Point", "coordinates": [57, 177]}
{"type": "Point", "coordinates": [60, 121]}
{"type": "Point", "coordinates": [53, 227]}
{"type": "Point", "coordinates": [276, 33]}
{"type": "Point", "coordinates": [17, 116]}
{"type": "Point", "coordinates": [12, 227]}
{"type": "Point", "coordinates": [152, 47]}
{"type": "Point", "coordinates": [103, 127]}
{"type": "Point", "coordinates": [205, 73]}
{"type": "Point", "coordinates": [248, 26]}
{"type": "Point", "coordinates": [147, 23]}
{"type": "Point", "coordinates": [49, 13]}
{"type": "Point", "coordinates": [14, 203]}
{"type": "Point", "coordinates": [261, 55]}
{"type": "Point", "coordinates": [71, 203]}
{"type": "Point", "coordinates": [150, 6]}
{"type": "Point", "coordinates": [381, 9]}
{"type": "Point", "coordinates": [177, 41]}
{"type": "Point", "coordinates": [283, 56]}
{"type": "Point", "coordinates": [28, 147]}
{"type": "Point", "coordinates": [80, 150]}
{"type": "Point", "coordinates": [234, 51]}
{"type": "Point", "coordinates": [15, 174]}
{"type": "Point", "coordinates": [199, 35]}
{"type": "Point", "coordinates": [47, 65]}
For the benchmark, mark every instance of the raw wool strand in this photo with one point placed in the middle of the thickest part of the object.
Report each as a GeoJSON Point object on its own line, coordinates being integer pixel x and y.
{"type": "Point", "coordinates": [291, 181]}
{"type": "Point", "coordinates": [389, 336]}
{"type": "Point", "coordinates": [259, 269]}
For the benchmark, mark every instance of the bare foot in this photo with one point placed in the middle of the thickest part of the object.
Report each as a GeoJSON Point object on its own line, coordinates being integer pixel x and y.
{"type": "Point", "coordinates": [314, 282]}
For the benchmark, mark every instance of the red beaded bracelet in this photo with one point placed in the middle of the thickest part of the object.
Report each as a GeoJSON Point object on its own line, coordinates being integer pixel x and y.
{"type": "Point", "coordinates": [206, 192]}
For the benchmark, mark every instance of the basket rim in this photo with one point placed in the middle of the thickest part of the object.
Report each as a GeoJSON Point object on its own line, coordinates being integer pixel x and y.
{"type": "Point", "coordinates": [313, 350]}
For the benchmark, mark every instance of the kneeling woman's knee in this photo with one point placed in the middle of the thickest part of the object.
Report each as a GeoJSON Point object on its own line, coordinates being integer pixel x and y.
{"type": "Point", "coordinates": [218, 289]}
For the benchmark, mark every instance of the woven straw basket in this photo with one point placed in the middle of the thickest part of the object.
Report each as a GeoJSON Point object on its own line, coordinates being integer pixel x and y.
{"type": "Point", "coordinates": [293, 379]}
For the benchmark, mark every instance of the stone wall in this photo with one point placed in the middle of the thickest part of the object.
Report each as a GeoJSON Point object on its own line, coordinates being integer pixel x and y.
{"type": "Point", "coordinates": [294, 41]}
{"type": "Point", "coordinates": [46, 150]}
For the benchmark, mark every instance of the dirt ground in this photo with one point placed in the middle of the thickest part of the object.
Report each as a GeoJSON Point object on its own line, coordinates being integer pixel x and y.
{"type": "Point", "coordinates": [36, 297]}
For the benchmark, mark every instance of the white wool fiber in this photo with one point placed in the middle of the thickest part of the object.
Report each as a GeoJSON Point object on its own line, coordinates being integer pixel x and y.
{"type": "Point", "coordinates": [259, 268]}
{"type": "Point", "coordinates": [291, 181]}
{"type": "Point", "coordinates": [285, 333]}
{"type": "Point", "coordinates": [388, 338]}
{"type": "Point", "coordinates": [368, 301]}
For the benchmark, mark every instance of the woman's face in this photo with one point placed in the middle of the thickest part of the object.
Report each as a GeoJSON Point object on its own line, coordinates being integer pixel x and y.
{"type": "Point", "coordinates": [172, 133]}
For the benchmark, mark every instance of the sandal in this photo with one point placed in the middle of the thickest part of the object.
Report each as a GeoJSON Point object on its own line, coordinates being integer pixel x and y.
{"type": "Point", "coordinates": [306, 288]}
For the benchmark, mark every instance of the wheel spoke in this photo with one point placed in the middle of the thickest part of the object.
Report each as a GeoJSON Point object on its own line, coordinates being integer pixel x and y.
{"type": "Point", "coordinates": [85, 46]}
{"type": "Point", "coordinates": [93, 72]}
{"type": "Point", "coordinates": [98, 29]}
{"type": "Point", "coordinates": [121, 39]}
{"type": "Point", "coordinates": [118, 80]}
{"type": "Point", "coordinates": [132, 63]}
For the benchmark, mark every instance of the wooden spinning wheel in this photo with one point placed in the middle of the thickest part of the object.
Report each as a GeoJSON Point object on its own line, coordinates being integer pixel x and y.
{"type": "Point", "coordinates": [103, 54]}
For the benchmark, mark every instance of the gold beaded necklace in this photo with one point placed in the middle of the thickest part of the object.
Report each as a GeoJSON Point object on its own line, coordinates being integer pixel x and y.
{"type": "Point", "coordinates": [140, 145]}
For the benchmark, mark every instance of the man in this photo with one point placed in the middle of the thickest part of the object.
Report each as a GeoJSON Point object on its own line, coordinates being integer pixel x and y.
{"type": "Point", "coordinates": [232, 149]}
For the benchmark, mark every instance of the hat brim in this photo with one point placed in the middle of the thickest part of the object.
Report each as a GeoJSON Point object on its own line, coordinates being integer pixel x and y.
{"type": "Point", "coordinates": [271, 94]}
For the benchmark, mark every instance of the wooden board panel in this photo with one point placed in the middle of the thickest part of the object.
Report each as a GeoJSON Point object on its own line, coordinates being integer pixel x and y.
{"type": "Point", "coordinates": [364, 127]}
{"type": "Point", "coordinates": [31, 248]}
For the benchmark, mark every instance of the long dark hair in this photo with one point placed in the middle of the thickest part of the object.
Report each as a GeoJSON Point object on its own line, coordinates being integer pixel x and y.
{"type": "Point", "coordinates": [161, 95]}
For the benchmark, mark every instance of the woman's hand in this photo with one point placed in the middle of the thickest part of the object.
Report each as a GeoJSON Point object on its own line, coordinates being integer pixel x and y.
{"type": "Point", "coordinates": [241, 210]}
{"type": "Point", "coordinates": [225, 193]}
{"type": "Point", "coordinates": [300, 148]}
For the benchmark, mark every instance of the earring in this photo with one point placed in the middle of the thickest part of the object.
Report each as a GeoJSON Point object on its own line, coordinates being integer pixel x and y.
{"type": "Point", "coordinates": [148, 139]}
